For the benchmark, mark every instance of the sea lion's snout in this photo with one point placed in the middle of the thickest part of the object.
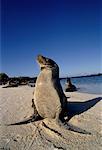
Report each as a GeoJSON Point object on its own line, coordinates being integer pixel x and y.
{"type": "Point", "coordinates": [41, 59]}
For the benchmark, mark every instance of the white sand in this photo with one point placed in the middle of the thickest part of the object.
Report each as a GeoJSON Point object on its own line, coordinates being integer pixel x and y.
{"type": "Point", "coordinates": [15, 105]}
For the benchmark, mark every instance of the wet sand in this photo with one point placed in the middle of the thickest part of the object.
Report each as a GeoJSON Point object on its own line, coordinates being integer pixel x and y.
{"type": "Point", "coordinates": [85, 111]}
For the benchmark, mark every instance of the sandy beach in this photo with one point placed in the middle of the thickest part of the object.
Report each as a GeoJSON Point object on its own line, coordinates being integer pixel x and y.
{"type": "Point", "coordinates": [85, 111]}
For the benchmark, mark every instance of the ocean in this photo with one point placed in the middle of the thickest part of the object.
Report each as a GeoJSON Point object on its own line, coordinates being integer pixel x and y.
{"type": "Point", "coordinates": [91, 85]}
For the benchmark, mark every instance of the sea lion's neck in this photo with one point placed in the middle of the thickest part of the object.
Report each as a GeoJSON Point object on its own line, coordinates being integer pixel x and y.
{"type": "Point", "coordinates": [45, 76]}
{"type": "Point", "coordinates": [48, 75]}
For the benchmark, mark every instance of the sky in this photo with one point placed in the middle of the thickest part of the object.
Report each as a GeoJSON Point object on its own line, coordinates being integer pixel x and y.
{"type": "Point", "coordinates": [68, 31]}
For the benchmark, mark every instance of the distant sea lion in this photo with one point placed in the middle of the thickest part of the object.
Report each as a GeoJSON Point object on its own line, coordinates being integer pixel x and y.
{"type": "Point", "coordinates": [69, 86]}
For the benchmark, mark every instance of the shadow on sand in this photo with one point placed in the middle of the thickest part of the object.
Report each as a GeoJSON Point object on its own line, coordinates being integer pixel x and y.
{"type": "Point", "coordinates": [76, 108]}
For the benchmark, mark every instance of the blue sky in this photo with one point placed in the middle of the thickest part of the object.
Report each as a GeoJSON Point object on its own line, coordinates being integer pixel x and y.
{"type": "Point", "coordinates": [67, 31]}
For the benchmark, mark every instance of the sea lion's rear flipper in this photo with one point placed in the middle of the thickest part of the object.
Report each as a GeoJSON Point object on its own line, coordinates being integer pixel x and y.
{"type": "Point", "coordinates": [75, 128]}
{"type": "Point", "coordinates": [26, 121]}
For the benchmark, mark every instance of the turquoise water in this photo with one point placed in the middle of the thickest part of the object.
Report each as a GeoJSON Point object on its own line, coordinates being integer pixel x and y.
{"type": "Point", "coordinates": [92, 85]}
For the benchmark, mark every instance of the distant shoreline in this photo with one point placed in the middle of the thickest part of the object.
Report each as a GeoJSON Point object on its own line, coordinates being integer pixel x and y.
{"type": "Point", "coordinates": [92, 75]}
{"type": "Point", "coordinates": [27, 78]}
{"type": "Point", "coordinates": [35, 77]}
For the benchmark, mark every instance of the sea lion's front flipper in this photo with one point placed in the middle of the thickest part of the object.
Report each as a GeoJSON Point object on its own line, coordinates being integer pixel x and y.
{"type": "Point", "coordinates": [75, 128]}
{"type": "Point", "coordinates": [34, 107]}
{"type": "Point", "coordinates": [25, 121]}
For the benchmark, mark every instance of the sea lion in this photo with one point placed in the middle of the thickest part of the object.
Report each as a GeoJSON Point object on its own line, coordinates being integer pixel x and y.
{"type": "Point", "coordinates": [69, 86]}
{"type": "Point", "coordinates": [49, 98]}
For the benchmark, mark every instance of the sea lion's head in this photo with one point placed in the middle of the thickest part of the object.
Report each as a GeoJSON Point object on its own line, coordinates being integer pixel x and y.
{"type": "Point", "coordinates": [47, 63]}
